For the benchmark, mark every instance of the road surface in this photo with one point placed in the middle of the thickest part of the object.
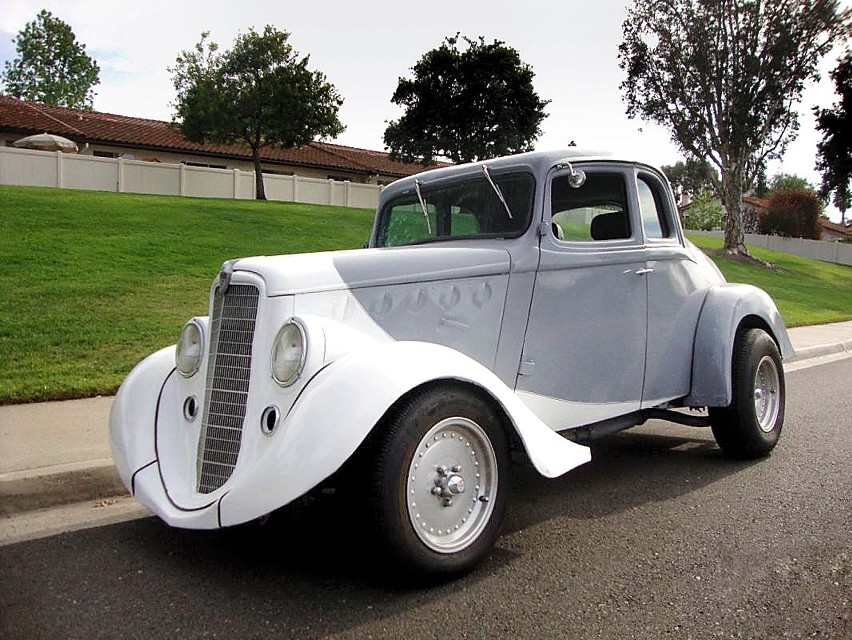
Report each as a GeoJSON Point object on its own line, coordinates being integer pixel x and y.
{"type": "Point", "coordinates": [659, 537]}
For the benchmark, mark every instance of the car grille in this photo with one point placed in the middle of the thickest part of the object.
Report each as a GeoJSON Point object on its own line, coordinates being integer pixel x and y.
{"type": "Point", "coordinates": [228, 371]}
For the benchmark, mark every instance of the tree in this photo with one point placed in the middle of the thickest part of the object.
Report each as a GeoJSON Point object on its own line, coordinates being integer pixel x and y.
{"type": "Point", "coordinates": [466, 105]}
{"type": "Point", "coordinates": [790, 182]}
{"type": "Point", "coordinates": [689, 178]}
{"type": "Point", "coordinates": [834, 152]}
{"type": "Point", "coordinates": [260, 93]}
{"type": "Point", "coordinates": [705, 213]}
{"type": "Point", "coordinates": [51, 66]}
{"type": "Point", "coordinates": [723, 77]}
{"type": "Point", "coordinates": [793, 213]}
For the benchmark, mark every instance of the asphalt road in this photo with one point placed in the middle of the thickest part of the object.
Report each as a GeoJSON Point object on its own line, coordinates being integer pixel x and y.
{"type": "Point", "coordinates": [659, 536]}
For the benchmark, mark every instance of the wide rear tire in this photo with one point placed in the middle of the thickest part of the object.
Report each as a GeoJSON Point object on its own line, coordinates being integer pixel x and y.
{"type": "Point", "coordinates": [751, 425]}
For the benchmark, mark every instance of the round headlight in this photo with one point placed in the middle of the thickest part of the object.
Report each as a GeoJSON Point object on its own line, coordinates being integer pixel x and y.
{"type": "Point", "coordinates": [190, 347]}
{"type": "Point", "coordinates": [288, 353]}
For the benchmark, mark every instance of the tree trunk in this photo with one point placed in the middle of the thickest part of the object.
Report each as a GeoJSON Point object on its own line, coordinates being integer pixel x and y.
{"type": "Point", "coordinates": [258, 173]}
{"type": "Point", "coordinates": [732, 200]}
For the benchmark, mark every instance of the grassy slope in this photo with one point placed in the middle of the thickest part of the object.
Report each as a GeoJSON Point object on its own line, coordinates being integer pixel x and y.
{"type": "Point", "coordinates": [90, 283]}
{"type": "Point", "coordinates": [806, 291]}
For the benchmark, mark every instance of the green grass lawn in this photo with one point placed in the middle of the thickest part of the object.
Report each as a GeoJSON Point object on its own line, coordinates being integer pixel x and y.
{"type": "Point", "coordinates": [806, 291]}
{"type": "Point", "coordinates": [90, 283]}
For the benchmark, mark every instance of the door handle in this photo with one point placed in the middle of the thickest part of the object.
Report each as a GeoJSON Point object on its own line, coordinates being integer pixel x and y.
{"type": "Point", "coordinates": [642, 272]}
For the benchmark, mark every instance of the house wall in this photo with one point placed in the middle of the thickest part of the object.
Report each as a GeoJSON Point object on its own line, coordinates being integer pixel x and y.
{"type": "Point", "coordinates": [74, 171]}
{"type": "Point", "coordinates": [837, 252]}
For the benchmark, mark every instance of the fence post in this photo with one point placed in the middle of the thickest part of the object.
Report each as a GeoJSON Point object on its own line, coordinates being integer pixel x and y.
{"type": "Point", "coordinates": [330, 191]}
{"type": "Point", "coordinates": [236, 181]}
{"type": "Point", "coordinates": [182, 187]}
{"type": "Point", "coordinates": [295, 188]}
{"type": "Point", "coordinates": [347, 197]}
{"type": "Point", "coordinates": [60, 179]}
{"type": "Point", "coordinates": [120, 182]}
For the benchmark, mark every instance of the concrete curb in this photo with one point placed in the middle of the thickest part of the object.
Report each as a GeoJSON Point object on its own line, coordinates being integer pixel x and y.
{"type": "Point", "coordinates": [44, 491]}
{"type": "Point", "coordinates": [804, 353]}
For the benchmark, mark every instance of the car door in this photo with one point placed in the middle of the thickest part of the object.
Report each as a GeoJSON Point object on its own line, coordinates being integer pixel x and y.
{"type": "Point", "coordinates": [584, 351]}
{"type": "Point", "coordinates": [677, 286]}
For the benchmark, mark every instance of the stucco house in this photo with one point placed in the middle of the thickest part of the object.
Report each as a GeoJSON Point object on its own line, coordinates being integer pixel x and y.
{"type": "Point", "coordinates": [835, 232]}
{"type": "Point", "coordinates": [112, 136]}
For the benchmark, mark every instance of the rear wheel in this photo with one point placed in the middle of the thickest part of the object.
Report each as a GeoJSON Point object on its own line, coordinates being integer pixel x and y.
{"type": "Point", "coordinates": [751, 425]}
{"type": "Point", "coordinates": [439, 481]}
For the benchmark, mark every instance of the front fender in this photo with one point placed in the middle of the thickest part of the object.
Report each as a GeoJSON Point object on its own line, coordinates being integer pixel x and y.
{"type": "Point", "coordinates": [133, 415]}
{"type": "Point", "coordinates": [345, 400]}
{"type": "Point", "coordinates": [724, 310]}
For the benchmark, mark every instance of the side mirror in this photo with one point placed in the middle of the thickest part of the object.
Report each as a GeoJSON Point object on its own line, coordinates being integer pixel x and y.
{"type": "Point", "coordinates": [577, 178]}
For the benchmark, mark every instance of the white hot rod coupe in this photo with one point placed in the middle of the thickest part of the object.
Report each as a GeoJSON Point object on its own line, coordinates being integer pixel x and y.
{"type": "Point", "coordinates": [532, 303]}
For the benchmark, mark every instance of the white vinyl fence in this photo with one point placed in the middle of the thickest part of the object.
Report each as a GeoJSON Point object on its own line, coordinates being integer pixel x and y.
{"type": "Point", "coordinates": [25, 167]}
{"type": "Point", "coordinates": [827, 251]}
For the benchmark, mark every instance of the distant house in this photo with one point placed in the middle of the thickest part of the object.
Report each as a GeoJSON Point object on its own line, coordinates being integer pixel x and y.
{"type": "Point", "coordinates": [112, 136]}
{"type": "Point", "coordinates": [753, 211]}
{"type": "Point", "coordinates": [835, 232]}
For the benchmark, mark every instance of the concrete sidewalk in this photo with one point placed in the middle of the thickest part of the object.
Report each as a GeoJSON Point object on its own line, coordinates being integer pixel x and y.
{"type": "Point", "coordinates": [57, 453]}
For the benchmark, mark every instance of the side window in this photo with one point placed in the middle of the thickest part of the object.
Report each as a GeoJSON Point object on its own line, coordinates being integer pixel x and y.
{"type": "Point", "coordinates": [654, 219]}
{"type": "Point", "coordinates": [594, 212]}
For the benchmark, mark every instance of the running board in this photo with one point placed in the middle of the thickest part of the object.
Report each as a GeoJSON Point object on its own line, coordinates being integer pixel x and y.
{"type": "Point", "coordinates": [604, 428]}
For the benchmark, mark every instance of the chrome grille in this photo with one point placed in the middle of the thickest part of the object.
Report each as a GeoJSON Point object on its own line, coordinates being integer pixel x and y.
{"type": "Point", "coordinates": [228, 372]}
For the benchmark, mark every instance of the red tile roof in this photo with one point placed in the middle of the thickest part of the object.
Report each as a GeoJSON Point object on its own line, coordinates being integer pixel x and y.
{"type": "Point", "coordinates": [105, 128]}
{"type": "Point", "coordinates": [836, 228]}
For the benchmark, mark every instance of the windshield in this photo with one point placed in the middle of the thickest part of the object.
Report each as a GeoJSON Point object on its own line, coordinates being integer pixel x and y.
{"type": "Point", "coordinates": [469, 208]}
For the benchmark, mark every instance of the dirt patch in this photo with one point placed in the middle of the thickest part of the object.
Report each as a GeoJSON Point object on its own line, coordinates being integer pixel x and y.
{"type": "Point", "coordinates": [745, 259]}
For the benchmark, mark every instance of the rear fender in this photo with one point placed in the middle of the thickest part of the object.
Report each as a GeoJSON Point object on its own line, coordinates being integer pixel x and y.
{"type": "Point", "coordinates": [726, 308]}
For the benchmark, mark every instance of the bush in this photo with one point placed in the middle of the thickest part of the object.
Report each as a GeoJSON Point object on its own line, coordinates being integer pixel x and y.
{"type": "Point", "coordinates": [793, 213]}
{"type": "Point", "coordinates": [705, 213]}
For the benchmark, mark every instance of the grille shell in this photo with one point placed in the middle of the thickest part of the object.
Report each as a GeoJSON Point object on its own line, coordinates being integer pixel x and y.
{"type": "Point", "coordinates": [232, 325]}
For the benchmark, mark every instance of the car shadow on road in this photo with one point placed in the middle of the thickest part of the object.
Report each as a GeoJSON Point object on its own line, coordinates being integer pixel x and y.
{"type": "Point", "coordinates": [630, 469]}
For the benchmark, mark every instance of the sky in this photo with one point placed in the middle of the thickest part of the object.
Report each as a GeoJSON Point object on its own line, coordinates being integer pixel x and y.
{"type": "Point", "coordinates": [365, 47]}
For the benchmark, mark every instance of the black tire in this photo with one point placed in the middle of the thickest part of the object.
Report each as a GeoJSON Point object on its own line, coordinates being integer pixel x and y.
{"type": "Point", "coordinates": [457, 497]}
{"type": "Point", "coordinates": [751, 425]}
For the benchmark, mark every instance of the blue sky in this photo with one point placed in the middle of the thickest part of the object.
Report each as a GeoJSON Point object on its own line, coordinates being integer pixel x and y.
{"type": "Point", "coordinates": [364, 47]}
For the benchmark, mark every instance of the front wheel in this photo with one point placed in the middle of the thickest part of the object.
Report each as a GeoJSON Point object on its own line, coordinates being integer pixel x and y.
{"type": "Point", "coordinates": [439, 481]}
{"type": "Point", "coordinates": [751, 425]}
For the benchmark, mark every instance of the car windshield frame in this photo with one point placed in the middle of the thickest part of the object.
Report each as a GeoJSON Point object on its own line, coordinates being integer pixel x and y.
{"type": "Point", "coordinates": [464, 208]}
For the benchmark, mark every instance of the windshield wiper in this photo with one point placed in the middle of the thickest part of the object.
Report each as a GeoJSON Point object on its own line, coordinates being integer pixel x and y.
{"type": "Point", "coordinates": [423, 206]}
{"type": "Point", "coordinates": [499, 193]}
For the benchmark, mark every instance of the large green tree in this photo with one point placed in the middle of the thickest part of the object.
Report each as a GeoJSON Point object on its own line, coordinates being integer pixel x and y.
{"type": "Point", "coordinates": [466, 104]}
{"type": "Point", "coordinates": [51, 66]}
{"type": "Point", "coordinates": [689, 178]}
{"type": "Point", "coordinates": [259, 93]}
{"type": "Point", "coordinates": [834, 152]}
{"type": "Point", "coordinates": [723, 76]}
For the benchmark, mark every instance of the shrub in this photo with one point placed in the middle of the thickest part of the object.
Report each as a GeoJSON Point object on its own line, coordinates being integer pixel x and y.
{"type": "Point", "coordinates": [793, 213]}
{"type": "Point", "coordinates": [705, 213]}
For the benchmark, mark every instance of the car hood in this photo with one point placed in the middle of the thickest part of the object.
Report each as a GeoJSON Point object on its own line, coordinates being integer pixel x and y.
{"type": "Point", "coordinates": [336, 270]}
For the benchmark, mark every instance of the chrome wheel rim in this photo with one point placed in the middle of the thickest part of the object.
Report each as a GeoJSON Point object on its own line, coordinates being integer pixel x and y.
{"type": "Point", "coordinates": [452, 485]}
{"type": "Point", "coordinates": [767, 395]}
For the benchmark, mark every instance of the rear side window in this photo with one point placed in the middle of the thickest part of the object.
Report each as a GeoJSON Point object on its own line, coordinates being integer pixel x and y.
{"type": "Point", "coordinates": [654, 221]}
{"type": "Point", "coordinates": [464, 209]}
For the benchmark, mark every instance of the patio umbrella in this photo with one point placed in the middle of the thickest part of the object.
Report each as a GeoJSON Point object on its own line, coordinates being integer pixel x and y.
{"type": "Point", "coordinates": [47, 142]}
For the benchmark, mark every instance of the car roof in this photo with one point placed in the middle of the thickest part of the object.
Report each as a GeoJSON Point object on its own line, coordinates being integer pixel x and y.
{"type": "Point", "coordinates": [535, 161]}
